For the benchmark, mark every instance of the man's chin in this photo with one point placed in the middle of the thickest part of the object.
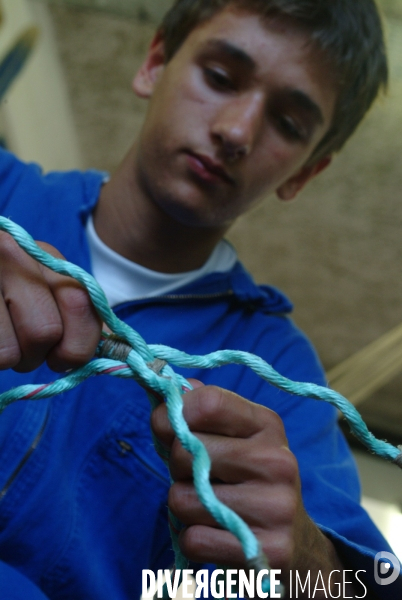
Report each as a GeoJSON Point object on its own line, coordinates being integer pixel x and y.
{"type": "Point", "coordinates": [196, 214]}
{"type": "Point", "coordinates": [191, 219]}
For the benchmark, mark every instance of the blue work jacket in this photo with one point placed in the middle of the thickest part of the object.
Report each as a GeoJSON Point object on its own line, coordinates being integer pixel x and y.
{"type": "Point", "coordinates": [82, 492]}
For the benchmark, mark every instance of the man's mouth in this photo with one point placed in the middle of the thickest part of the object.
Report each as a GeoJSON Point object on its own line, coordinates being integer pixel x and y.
{"type": "Point", "coordinates": [208, 169]}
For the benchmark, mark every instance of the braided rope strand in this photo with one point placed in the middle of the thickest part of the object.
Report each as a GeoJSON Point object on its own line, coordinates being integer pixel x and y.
{"type": "Point", "coordinates": [308, 390]}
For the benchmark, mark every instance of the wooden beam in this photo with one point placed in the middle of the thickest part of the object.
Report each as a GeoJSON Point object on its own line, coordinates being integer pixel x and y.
{"type": "Point", "coordinates": [367, 371]}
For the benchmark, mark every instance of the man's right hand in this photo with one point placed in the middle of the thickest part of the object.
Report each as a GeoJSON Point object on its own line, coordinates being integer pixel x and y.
{"type": "Point", "coordinates": [43, 316]}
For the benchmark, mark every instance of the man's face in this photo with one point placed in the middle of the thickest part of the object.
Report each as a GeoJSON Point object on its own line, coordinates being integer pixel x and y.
{"type": "Point", "coordinates": [234, 115]}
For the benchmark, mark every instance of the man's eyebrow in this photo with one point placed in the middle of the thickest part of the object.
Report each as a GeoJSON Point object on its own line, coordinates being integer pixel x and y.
{"type": "Point", "coordinates": [304, 101]}
{"type": "Point", "coordinates": [232, 51]}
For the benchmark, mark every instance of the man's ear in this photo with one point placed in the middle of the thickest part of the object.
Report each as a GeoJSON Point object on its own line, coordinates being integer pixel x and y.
{"type": "Point", "coordinates": [291, 187]}
{"type": "Point", "coordinates": [147, 76]}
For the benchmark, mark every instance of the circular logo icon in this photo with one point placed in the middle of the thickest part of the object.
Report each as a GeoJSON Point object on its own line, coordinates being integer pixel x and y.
{"type": "Point", "coordinates": [386, 568]}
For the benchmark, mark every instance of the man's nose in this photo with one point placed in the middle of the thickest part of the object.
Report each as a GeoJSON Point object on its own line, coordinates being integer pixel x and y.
{"type": "Point", "coordinates": [238, 125]}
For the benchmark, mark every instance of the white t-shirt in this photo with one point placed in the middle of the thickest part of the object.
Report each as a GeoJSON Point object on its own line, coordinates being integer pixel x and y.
{"type": "Point", "coordinates": [124, 281]}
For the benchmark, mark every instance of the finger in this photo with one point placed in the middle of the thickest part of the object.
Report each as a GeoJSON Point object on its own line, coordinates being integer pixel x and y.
{"type": "Point", "coordinates": [261, 507]}
{"type": "Point", "coordinates": [81, 325]}
{"type": "Point", "coordinates": [195, 383]}
{"type": "Point", "coordinates": [210, 545]}
{"type": "Point", "coordinates": [81, 329]}
{"type": "Point", "coordinates": [200, 543]}
{"type": "Point", "coordinates": [210, 409]}
{"type": "Point", "coordinates": [160, 423]}
{"type": "Point", "coordinates": [34, 315]}
{"type": "Point", "coordinates": [235, 460]}
{"type": "Point", "coordinates": [214, 410]}
{"type": "Point", "coordinates": [10, 354]}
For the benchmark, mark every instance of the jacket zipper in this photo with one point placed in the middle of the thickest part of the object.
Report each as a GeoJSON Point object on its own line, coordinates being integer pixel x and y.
{"type": "Point", "coordinates": [150, 299]}
{"type": "Point", "coordinates": [25, 458]}
{"type": "Point", "coordinates": [197, 296]}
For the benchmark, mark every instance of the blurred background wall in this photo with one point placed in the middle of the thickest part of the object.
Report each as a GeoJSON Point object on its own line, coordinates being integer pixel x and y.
{"type": "Point", "coordinates": [336, 251]}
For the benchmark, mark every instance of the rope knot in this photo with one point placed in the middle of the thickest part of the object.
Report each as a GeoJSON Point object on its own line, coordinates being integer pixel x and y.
{"type": "Point", "coordinates": [115, 348]}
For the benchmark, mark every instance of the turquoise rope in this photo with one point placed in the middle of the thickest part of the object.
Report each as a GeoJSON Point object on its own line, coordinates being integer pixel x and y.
{"type": "Point", "coordinates": [171, 386]}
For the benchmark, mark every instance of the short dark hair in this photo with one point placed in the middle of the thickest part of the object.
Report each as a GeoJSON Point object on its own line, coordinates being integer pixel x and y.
{"type": "Point", "coordinates": [349, 32]}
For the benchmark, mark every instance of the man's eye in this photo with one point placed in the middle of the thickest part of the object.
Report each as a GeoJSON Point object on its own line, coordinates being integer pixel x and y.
{"type": "Point", "coordinates": [219, 79]}
{"type": "Point", "coordinates": [290, 128]}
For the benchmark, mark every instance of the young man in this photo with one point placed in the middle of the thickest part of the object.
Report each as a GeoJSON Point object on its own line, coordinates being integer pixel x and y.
{"type": "Point", "coordinates": [245, 98]}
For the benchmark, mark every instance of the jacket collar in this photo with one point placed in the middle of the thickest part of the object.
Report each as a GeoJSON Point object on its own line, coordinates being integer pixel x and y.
{"type": "Point", "coordinates": [239, 283]}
